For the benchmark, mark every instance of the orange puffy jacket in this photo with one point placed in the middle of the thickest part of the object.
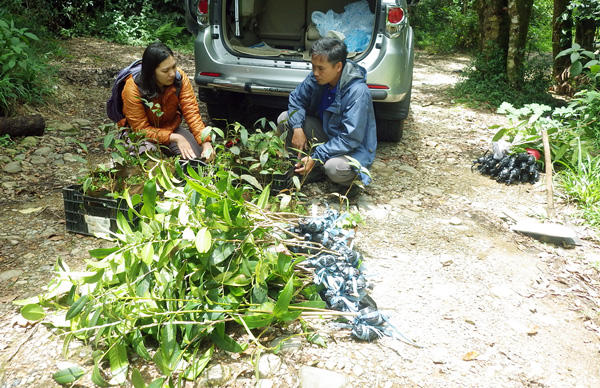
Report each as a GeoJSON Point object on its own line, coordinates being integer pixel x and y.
{"type": "Point", "coordinates": [141, 118]}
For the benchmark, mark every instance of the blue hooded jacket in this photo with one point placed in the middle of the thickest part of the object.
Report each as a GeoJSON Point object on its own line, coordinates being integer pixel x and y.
{"type": "Point", "coordinates": [349, 122]}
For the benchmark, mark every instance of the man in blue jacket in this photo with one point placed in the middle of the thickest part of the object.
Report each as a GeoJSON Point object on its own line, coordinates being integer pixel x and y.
{"type": "Point", "coordinates": [330, 115]}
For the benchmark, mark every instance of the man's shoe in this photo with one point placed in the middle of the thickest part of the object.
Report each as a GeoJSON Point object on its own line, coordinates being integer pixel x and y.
{"type": "Point", "coordinates": [316, 175]}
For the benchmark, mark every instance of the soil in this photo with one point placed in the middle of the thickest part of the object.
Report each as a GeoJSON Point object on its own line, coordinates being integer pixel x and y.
{"type": "Point", "coordinates": [490, 307]}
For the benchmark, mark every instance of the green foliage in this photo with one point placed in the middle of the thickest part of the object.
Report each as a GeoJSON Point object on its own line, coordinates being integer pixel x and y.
{"type": "Point", "coordinates": [539, 38]}
{"type": "Point", "coordinates": [567, 136]}
{"type": "Point", "coordinates": [21, 72]}
{"type": "Point", "coordinates": [203, 266]}
{"type": "Point", "coordinates": [443, 26]}
{"type": "Point", "coordinates": [485, 82]}
{"type": "Point", "coordinates": [585, 67]}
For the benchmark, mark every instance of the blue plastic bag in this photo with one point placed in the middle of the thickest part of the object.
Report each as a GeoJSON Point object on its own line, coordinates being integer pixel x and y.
{"type": "Point", "coordinates": [356, 23]}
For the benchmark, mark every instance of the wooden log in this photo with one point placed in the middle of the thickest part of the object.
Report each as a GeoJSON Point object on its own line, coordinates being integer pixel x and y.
{"type": "Point", "coordinates": [22, 126]}
{"type": "Point", "coordinates": [548, 163]}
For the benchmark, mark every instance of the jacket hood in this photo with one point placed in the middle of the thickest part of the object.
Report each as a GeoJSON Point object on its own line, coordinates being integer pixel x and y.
{"type": "Point", "coordinates": [352, 71]}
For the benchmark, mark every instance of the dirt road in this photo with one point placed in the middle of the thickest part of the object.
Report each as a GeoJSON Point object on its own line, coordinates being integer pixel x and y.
{"type": "Point", "coordinates": [490, 308]}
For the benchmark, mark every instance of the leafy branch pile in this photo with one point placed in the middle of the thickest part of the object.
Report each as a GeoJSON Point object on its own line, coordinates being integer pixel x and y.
{"type": "Point", "coordinates": [203, 267]}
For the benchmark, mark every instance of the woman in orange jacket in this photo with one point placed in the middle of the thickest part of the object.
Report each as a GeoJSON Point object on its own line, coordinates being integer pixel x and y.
{"type": "Point", "coordinates": [157, 83]}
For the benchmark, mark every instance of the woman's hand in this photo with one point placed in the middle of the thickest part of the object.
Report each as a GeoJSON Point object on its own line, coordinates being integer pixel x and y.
{"type": "Point", "coordinates": [208, 152]}
{"type": "Point", "coordinates": [184, 146]}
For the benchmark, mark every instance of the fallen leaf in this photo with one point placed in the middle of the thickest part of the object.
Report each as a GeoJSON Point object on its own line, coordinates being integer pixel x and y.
{"type": "Point", "coordinates": [55, 237]}
{"type": "Point", "coordinates": [471, 356]}
{"type": "Point", "coordinates": [533, 330]}
{"type": "Point", "coordinates": [31, 210]}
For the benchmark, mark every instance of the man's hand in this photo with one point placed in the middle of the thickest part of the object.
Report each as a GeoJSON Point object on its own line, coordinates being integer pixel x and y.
{"type": "Point", "coordinates": [305, 165]}
{"type": "Point", "coordinates": [184, 146]}
{"type": "Point", "coordinates": [208, 152]}
{"type": "Point", "coordinates": [298, 139]}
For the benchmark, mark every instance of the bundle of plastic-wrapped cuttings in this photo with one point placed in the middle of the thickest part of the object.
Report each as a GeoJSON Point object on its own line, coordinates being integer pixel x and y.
{"type": "Point", "coordinates": [340, 270]}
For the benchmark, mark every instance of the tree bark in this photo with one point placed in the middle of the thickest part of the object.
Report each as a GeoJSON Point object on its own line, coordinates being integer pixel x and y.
{"type": "Point", "coordinates": [22, 126]}
{"type": "Point", "coordinates": [519, 13]}
{"type": "Point", "coordinates": [585, 29]}
{"type": "Point", "coordinates": [493, 26]}
{"type": "Point", "coordinates": [562, 38]}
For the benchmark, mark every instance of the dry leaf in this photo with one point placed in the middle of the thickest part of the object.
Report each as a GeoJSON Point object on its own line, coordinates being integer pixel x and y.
{"type": "Point", "coordinates": [533, 330]}
{"type": "Point", "coordinates": [471, 356]}
{"type": "Point", "coordinates": [31, 210]}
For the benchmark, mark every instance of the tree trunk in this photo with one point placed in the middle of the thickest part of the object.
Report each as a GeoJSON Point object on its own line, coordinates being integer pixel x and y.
{"type": "Point", "coordinates": [22, 126]}
{"type": "Point", "coordinates": [493, 27]}
{"type": "Point", "coordinates": [562, 38]}
{"type": "Point", "coordinates": [519, 13]}
{"type": "Point", "coordinates": [585, 29]}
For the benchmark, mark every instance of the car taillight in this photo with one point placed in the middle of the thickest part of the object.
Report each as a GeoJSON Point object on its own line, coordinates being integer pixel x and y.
{"type": "Point", "coordinates": [210, 74]}
{"type": "Point", "coordinates": [396, 21]}
{"type": "Point", "coordinates": [202, 15]}
{"type": "Point", "coordinates": [203, 7]}
{"type": "Point", "coordinates": [372, 86]}
{"type": "Point", "coordinates": [395, 15]}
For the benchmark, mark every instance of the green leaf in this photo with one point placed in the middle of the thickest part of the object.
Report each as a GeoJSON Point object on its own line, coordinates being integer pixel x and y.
{"type": "Point", "coordinates": [227, 343]}
{"type": "Point", "coordinates": [203, 240]}
{"type": "Point", "coordinates": [77, 307]}
{"type": "Point", "coordinates": [109, 139]}
{"type": "Point", "coordinates": [252, 180]}
{"type": "Point", "coordinates": [576, 69]}
{"type": "Point", "coordinates": [148, 253]}
{"type": "Point", "coordinates": [68, 375]}
{"type": "Point", "coordinates": [97, 377]}
{"type": "Point", "coordinates": [149, 199]}
{"type": "Point", "coordinates": [33, 312]}
{"type": "Point", "coordinates": [575, 56]}
{"type": "Point", "coordinates": [285, 296]}
{"type": "Point", "coordinates": [137, 380]}
{"type": "Point", "coordinates": [158, 383]}
{"type": "Point", "coordinates": [257, 320]}
{"type": "Point", "coordinates": [203, 190]}
{"type": "Point", "coordinates": [138, 345]}
{"type": "Point", "coordinates": [263, 199]}
{"type": "Point", "coordinates": [198, 365]}
{"type": "Point", "coordinates": [101, 253]}
{"type": "Point", "coordinates": [221, 253]}
{"type": "Point", "coordinates": [119, 363]}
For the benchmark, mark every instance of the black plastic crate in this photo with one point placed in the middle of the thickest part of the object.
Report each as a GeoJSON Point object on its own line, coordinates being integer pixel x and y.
{"type": "Point", "coordinates": [94, 216]}
{"type": "Point", "coordinates": [280, 182]}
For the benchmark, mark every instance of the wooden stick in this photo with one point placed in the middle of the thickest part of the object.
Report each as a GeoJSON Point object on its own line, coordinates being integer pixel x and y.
{"type": "Point", "coordinates": [548, 163]}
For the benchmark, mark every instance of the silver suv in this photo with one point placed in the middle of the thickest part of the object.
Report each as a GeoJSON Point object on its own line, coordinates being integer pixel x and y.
{"type": "Point", "coordinates": [253, 53]}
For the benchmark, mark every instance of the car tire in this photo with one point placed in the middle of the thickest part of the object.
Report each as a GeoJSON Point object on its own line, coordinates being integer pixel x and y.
{"type": "Point", "coordinates": [390, 130]}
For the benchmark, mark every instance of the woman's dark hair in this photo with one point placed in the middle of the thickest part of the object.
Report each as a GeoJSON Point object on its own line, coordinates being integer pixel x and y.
{"type": "Point", "coordinates": [333, 49]}
{"type": "Point", "coordinates": [153, 56]}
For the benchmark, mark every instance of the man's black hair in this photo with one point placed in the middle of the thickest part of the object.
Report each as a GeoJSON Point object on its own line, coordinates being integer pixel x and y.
{"type": "Point", "coordinates": [333, 49]}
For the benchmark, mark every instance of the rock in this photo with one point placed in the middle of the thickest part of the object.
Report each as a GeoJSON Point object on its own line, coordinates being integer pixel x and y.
{"type": "Point", "coordinates": [10, 274]}
{"type": "Point", "coordinates": [65, 127]}
{"type": "Point", "coordinates": [29, 141]}
{"type": "Point", "coordinates": [217, 375]}
{"type": "Point", "coordinates": [12, 168]}
{"type": "Point", "coordinates": [5, 159]}
{"type": "Point", "coordinates": [60, 365]}
{"type": "Point", "coordinates": [455, 221]}
{"type": "Point", "coordinates": [43, 151]}
{"type": "Point", "coordinates": [358, 370]}
{"type": "Point", "coordinates": [289, 345]}
{"type": "Point", "coordinates": [400, 202]}
{"type": "Point", "coordinates": [501, 291]}
{"type": "Point", "coordinates": [38, 160]}
{"type": "Point", "coordinates": [311, 377]}
{"type": "Point", "coordinates": [268, 365]}
{"type": "Point", "coordinates": [265, 383]}
{"type": "Point", "coordinates": [433, 191]}
{"type": "Point", "coordinates": [408, 169]}
{"type": "Point", "coordinates": [68, 157]}
{"type": "Point", "coordinates": [81, 123]}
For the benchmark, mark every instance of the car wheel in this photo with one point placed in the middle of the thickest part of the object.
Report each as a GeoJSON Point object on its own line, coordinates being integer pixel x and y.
{"type": "Point", "coordinates": [390, 130]}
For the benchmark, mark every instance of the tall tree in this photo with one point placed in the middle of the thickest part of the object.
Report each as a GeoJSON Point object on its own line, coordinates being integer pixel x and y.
{"type": "Point", "coordinates": [519, 13]}
{"type": "Point", "coordinates": [503, 28]}
{"type": "Point", "coordinates": [561, 40]}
